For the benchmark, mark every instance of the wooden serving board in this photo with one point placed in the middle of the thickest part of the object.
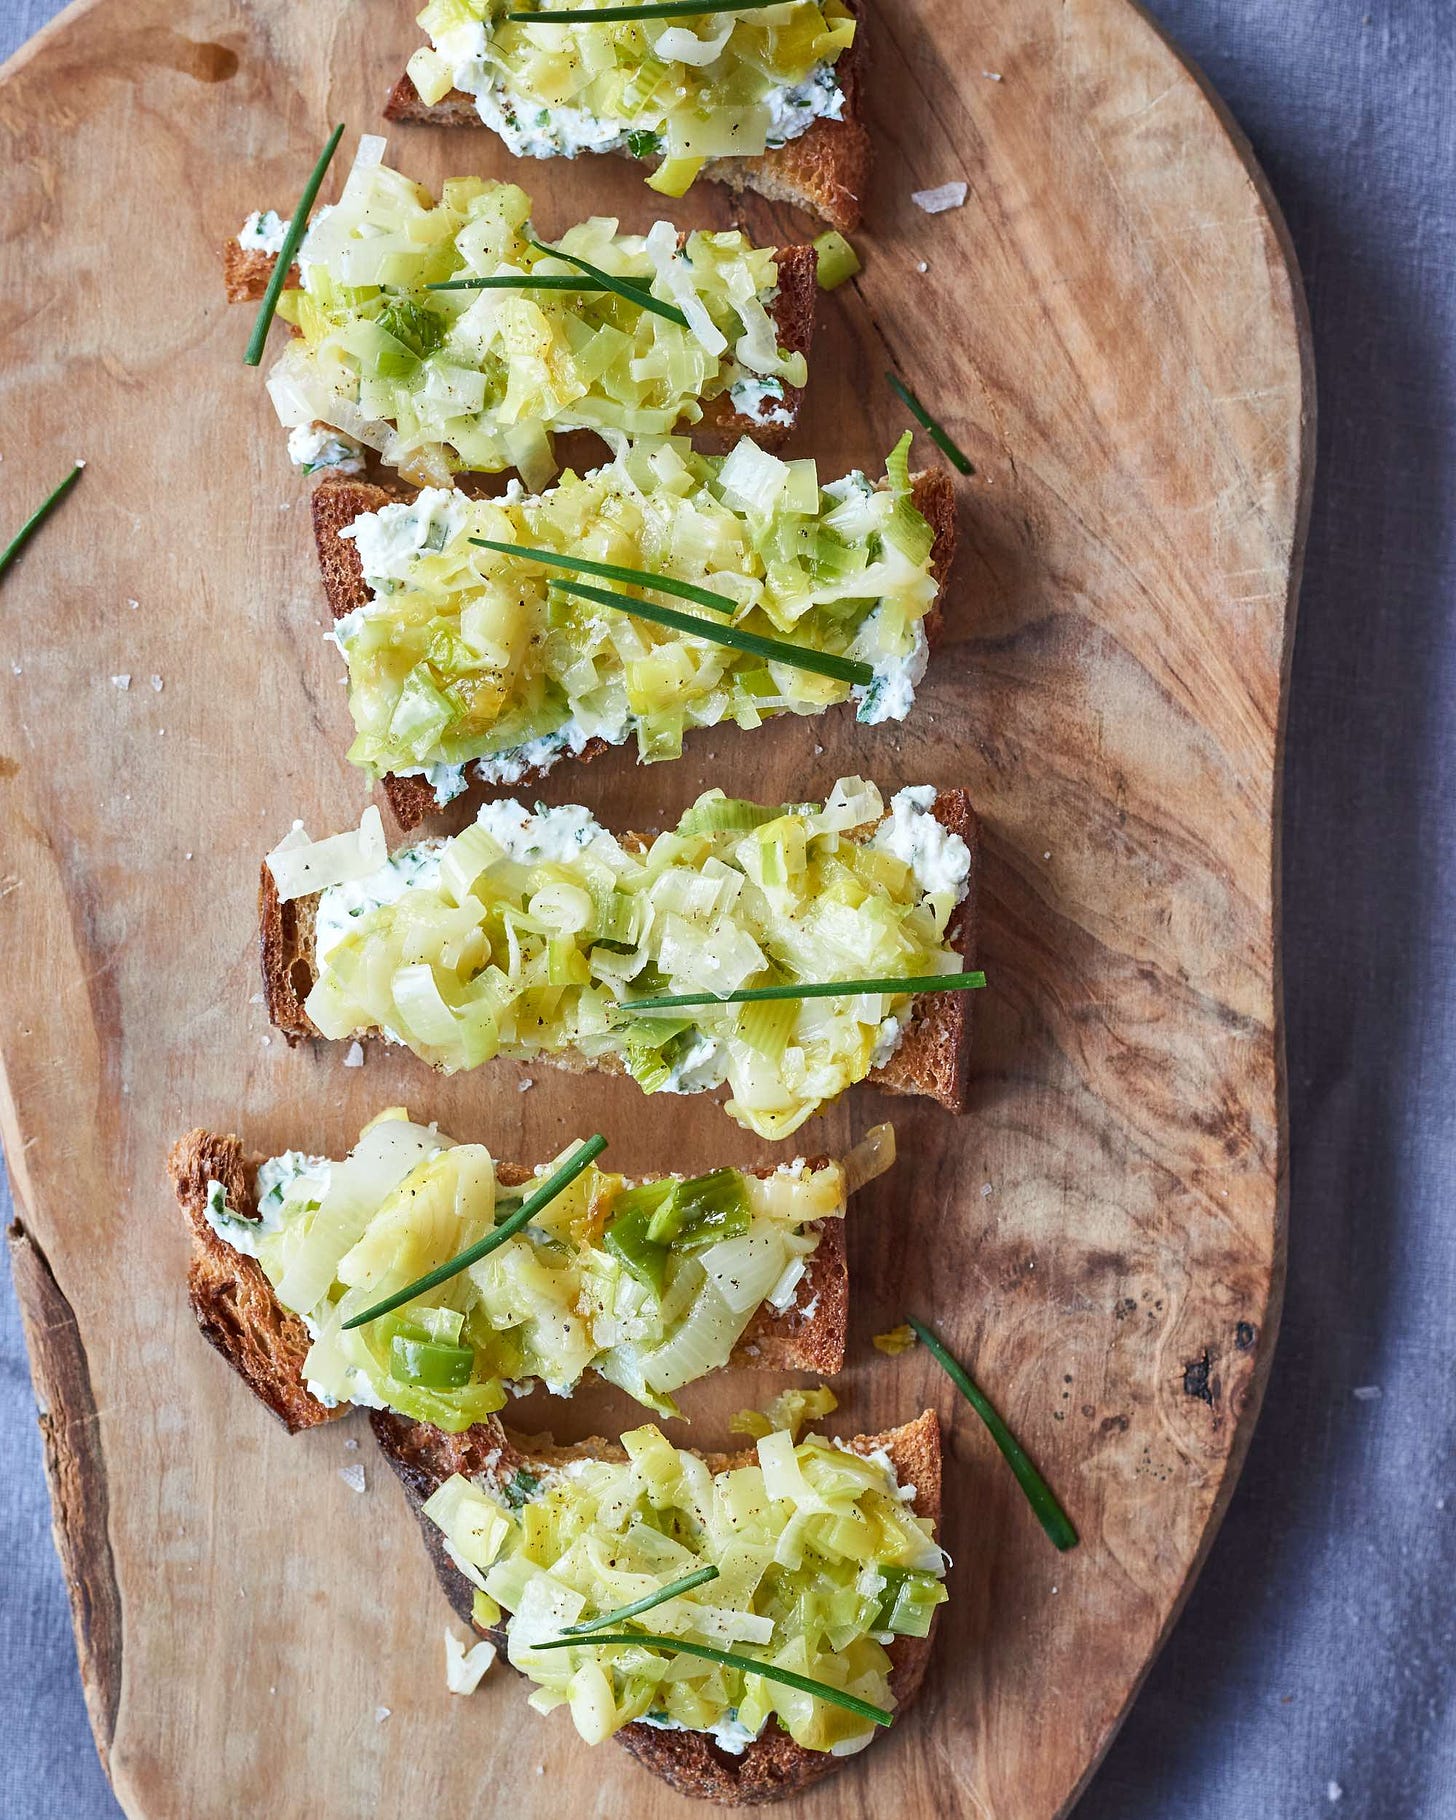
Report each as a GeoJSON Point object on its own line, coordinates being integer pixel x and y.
{"type": "Point", "coordinates": [1113, 328]}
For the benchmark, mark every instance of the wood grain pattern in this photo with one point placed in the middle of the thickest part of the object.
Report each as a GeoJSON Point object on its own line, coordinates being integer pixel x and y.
{"type": "Point", "coordinates": [1112, 329]}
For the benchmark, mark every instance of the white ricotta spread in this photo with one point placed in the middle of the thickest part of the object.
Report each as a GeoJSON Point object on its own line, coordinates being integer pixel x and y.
{"type": "Point", "coordinates": [339, 905]}
{"type": "Point", "coordinates": [761, 399]}
{"type": "Point", "coordinates": [263, 232]}
{"type": "Point", "coordinates": [892, 693]}
{"type": "Point", "coordinates": [702, 1066]}
{"type": "Point", "coordinates": [312, 446]}
{"type": "Point", "coordinates": [532, 131]}
{"type": "Point", "coordinates": [390, 539]}
{"type": "Point", "coordinates": [729, 1734]}
{"type": "Point", "coordinates": [549, 834]}
{"type": "Point", "coordinates": [275, 1179]}
{"type": "Point", "coordinates": [939, 858]}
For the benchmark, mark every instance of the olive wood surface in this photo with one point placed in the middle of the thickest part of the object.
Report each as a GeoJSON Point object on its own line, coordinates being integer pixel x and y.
{"type": "Point", "coordinates": [1113, 329]}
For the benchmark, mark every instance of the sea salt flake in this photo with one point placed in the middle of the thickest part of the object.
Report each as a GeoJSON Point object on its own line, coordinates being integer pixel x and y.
{"type": "Point", "coordinates": [355, 1056]}
{"type": "Point", "coordinates": [944, 196]}
{"type": "Point", "coordinates": [353, 1476]}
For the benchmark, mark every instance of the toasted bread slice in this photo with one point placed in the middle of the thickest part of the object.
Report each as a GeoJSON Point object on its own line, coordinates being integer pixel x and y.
{"type": "Point", "coordinates": [772, 1767]}
{"type": "Point", "coordinates": [933, 1057]}
{"type": "Point", "coordinates": [246, 273]}
{"type": "Point", "coordinates": [266, 1344]}
{"type": "Point", "coordinates": [338, 502]}
{"type": "Point", "coordinates": [825, 171]}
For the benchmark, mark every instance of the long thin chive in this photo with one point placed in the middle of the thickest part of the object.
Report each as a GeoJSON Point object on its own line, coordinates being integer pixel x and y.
{"type": "Point", "coordinates": [660, 1597]}
{"type": "Point", "coordinates": [615, 571]}
{"type": "Point", "coordinates": [624, 287]}
{"type": "Point", "coordinates": [548, 1191]}
{"type": "Point", "coordinates": [749, 1665]}
{"type": "Point", "coordinates": [1049, 1513]}
{"type": "Point", "coordinates": [757, 995]}
{"type": "Point", "coordinates": [650, 9]}
{"type": "Point", "coordinates": [938, 436]}
{"type": "Point", "coordinates": [38, 517]}
{"type": "Point", "coordinates": [774, 650]}
{"type": "Point", "coordinates": [290, 246]}
{"type": "Point", "coordinates": [524, 283]}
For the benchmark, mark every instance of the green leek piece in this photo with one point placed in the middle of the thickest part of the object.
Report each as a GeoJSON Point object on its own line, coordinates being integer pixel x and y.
{"type": "Point", "coordinates": [417, 1361]}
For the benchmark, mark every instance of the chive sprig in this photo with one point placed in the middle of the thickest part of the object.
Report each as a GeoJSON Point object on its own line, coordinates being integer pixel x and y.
{"type": "Point", "coordinates": [615, 571]}
{"type": "Point", "coordinates": [939, 436]}
{"type": "Point", "coordinates": [700, 1577]}
{"type": "Point", "coordinates": [561, 1178]}
{"type": "Point", "coordinates": [755, 995]}
{"type": "Point", "coordinates": [1049, 1513]}
{"type": "Point", "coordinates": [38, 517]}
{"type": "Point", "coordinates": [291, 242]}
{"type": "Point", "coordinates": [772, 650]}
{"type": "Point", "coordinates": [728, 1658]}
{"type": "Point", "coordinates": [627, 288]}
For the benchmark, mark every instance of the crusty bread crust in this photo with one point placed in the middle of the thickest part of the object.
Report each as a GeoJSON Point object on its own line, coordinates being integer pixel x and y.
{"type": "Point", "coordinates": [337, 502]}
{"type": "Point", "coordinates": [246, 273]}
{"type": "Point", "coordinates": [266, 1345]}
{"type": "Point", "coordinates": [232, 1299]}
{"type": "Point", "coordinates": [772, 1767]}
{"type": "Point", "coordinates": [933, 1056]}
{"type": "Point", "coordinates": [825, 171]}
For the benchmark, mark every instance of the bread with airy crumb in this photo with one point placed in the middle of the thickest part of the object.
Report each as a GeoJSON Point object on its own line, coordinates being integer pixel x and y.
{"type": "Point", "coordinates": [337, 502]}
{"type": "Point", "coordinates": [772, 1767]}
{"type": "Point", "coordinates": [266, 1344]}
{"type": "Point", "coordinates": [824, 172]}
{"type": "Point", "coordinates": [932, 1058]}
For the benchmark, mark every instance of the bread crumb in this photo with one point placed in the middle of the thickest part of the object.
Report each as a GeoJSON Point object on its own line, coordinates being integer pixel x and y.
{"type": "Point", "coordinates": [121, 682]}
{"type": "Point", "coordinates": [353, 1476]}
{"type": "Point", "coordinates": [355, 1056]}
{"type": "Point", "coordinates": [944, 196]}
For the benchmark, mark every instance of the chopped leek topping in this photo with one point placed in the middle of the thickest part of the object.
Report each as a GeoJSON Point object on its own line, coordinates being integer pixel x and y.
{"type": "Point", "coordinates": [1049, 1513]}
{"type": "Point", "coordinates": [746, 1665]}
{"type": "Point", "coordinates": [820, 1561]}
{"type": "Point", "coordinates": [493, 1240]}
{"type": "Point", "coordinates": [530, 935]}
{"type": "Point", "coordinates": [789, 1410]}
{"type": "Point", "coordinates": [551, 1301]}
{"type": "Point", "coordinates": [615, 571]}
{"type": "Point", "coordinates": [940, 437]}
{"type": "Point", "coordinates": [658, 9]}
{"type": "Point", "coordinates": [38, 517]}
{"type": "Point", "coordinates": [634, 293]}
{"type": "Point", "coordinates": [654, 78]}
{"type": "Point", "coordinates": [772, 650]}
{"type": "Point", "coordinates": [278, 277]}
{"type": "Point", "coordinates": [517, 284]}
{"type": "Point", "coordinates": [481, 376]}
{"type": "Point", "coordinates": [470, 650]}
{"type": "Point", "coordinates": [750, 995]}
{"type": "Point", "coordinates": [700, 1577]}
